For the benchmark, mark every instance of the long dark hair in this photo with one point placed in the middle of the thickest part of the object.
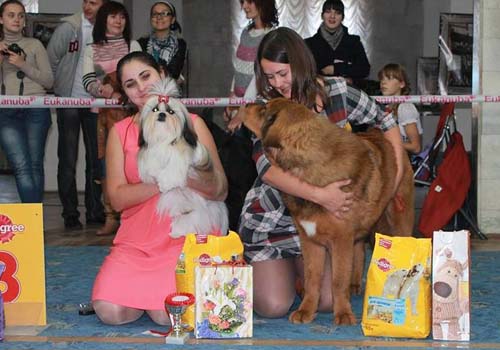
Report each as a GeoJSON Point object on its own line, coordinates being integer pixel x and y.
{"type": "Point", "coordinates": [139, 56]}
{"type": "Point", "coordinates": [267, 11]}
{"type": "Point", "coordinates": [2, 9]}
{"type": "Point", "coordinates": [101, 19]}
{"type": "Point", "coordinates": [283, 45]}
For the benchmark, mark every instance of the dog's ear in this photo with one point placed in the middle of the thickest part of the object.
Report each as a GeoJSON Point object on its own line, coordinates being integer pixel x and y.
{"type": "Point", "coordinates": [142, 141]}
{"type": "Point", "coordinates": [189, 135]}
{"type": "Point", "coordinates": [269, 119]}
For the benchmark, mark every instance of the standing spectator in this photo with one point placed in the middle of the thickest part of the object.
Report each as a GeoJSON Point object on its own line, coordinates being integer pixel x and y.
{"type": "Point", "coordinates": [336, 52]}
{"type": "Point", "coordinates": [24, 70]}
{"type": "Point", "coordinates": [111, 41]}
{"type": "Point", "coordinates": [263, 16]}
{"type": "Point", "coordinates": [164, 43]}
{"type": "Point", "coordinates": [65, 51]}
{"type": "Point", "coordinates": [239, 166]}
{"type": "Point", "coordinates": [394, 82]}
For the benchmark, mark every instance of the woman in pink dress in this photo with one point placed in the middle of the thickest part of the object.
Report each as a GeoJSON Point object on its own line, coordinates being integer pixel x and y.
{"type": "Point", "coordinates": [139, 272]}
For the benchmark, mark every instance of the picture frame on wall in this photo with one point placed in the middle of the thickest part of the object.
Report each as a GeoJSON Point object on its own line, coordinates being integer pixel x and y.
{"type": "Point", "coordinates": [41, 26]}
{"type": "Point", "coordinates": [427, 75]}
{"type": "Point", "coordinates": [456, 40]}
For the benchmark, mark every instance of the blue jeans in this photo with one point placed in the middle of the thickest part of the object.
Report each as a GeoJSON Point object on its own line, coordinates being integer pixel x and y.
{"type": "Point", "coordinates": [69, 122]}
{"type": "Point", "coordinates": [23, 133]}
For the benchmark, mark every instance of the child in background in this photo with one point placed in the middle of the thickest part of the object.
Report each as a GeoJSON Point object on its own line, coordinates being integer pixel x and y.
{"type": "Point", "coordinates": [394, 82]}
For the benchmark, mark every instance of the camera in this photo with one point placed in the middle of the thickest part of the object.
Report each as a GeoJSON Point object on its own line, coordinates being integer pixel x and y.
{"type": "Point", "coordinates": [14, 48]}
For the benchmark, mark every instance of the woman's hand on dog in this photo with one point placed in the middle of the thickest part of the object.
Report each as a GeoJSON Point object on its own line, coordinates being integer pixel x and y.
{"type": "Point", "coordinates": [236, 120]}
{"type": "Point", "coordinates": [334, 199]}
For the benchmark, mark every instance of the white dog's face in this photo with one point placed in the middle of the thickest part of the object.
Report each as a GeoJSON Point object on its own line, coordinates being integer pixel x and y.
{"type": "Point", "coordinates": [164, 119]}
{"type": "Point", "coordinates": [159, 123]}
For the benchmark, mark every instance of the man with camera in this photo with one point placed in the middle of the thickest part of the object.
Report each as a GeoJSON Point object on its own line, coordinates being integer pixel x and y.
{"type": "Point", "coordinates": [65, 51]}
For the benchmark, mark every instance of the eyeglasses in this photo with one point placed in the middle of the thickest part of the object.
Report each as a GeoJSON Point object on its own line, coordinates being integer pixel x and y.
{"type": "Point", "coordinates": [159, 15]}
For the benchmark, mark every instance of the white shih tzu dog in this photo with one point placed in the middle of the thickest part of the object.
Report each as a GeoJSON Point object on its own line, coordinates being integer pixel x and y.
{"type": "Point", "coordinates": [169, 152]}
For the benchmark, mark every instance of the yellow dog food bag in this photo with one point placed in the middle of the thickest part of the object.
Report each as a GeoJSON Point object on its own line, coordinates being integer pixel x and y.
{"type": "Point", "coordinates": [203, 250]}
{"type": "Point", "coordinates": [397, 299]}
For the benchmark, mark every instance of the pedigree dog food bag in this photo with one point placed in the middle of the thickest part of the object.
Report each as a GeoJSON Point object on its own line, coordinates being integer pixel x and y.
{"type": "Point", "coordinates": [397, 299]}
{"type": "Point", "coordinates": [202, 250]}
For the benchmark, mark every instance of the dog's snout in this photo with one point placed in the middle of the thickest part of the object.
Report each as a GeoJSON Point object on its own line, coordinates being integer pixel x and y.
{"type": "Point", "coordinates": [162, 116]}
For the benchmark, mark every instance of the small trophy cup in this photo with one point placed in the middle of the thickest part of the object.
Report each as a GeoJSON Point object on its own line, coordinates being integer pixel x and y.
{"type": "Point", "coordinates": [176, 304]}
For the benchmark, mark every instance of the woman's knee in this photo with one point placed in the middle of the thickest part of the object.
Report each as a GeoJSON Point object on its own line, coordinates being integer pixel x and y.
{"type": "Point", "coordinates": [159, 317]}
{"type": "Point", "coordinates": [113, 314]}
{"type": "Point", "coordinates": [272, 307]}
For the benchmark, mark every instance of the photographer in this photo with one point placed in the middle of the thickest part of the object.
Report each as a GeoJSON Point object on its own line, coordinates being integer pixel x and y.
{"type": "Point", "coordinates": [24, 70]}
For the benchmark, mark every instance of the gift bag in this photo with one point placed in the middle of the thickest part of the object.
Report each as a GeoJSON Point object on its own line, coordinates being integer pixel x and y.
{"type": "Point", "coordinates": [2, 315]}
{"type": "Point", "coordinates": [224, 298]}
{"type": "Point", "coordinates": [2, 318]}
{"type": "Point", "coordinates": [202, 250]}
{"type": "Point", "coordinates": [397, 299]}
{"type": "Point", "coordinates": [450, 286]}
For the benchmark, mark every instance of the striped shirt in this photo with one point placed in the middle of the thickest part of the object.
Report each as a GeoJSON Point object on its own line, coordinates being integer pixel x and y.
{"type": "Point", "coordinates": [100, 60]}
{"type": "Point", "coordinates": [245, 57]}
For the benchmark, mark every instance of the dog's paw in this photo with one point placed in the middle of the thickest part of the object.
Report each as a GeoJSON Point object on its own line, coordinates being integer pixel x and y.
{"type": "Point", "coordinates": [345, 319]}
{"type": "Point", "coordinates": [177, 234]}
{"type": "Point", "coordinates": [201, 157]}
{"type": "Point", "coordinates": [166, 185]}
{"type": "Point", "coordinates": [302, 316]}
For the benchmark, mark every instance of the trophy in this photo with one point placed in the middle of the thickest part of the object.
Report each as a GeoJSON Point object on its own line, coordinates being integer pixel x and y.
{"type": "Point", "coordinates": [176, 304]}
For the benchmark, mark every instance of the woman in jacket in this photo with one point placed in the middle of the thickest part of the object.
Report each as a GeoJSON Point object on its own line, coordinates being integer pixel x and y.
{"type": "Point", "coordinates": [336, 52]}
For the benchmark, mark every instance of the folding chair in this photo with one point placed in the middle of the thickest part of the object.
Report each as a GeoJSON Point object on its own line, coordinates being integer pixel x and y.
{"type": "Point", "coordinates": [448, 176]}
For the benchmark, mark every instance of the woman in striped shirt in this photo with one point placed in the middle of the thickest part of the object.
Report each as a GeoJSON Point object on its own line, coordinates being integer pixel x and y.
{"type": "Point", "coordinates": [111, 41]}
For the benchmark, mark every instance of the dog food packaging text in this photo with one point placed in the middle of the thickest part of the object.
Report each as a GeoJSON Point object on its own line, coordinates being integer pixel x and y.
{"type": "Point", "coordinates": [203, 250]}
{"type": "Point", "coordinates": [451, 286]}
{"type": "Point", "coordinates": [224, 301]}
{"type": "Point", "coordinates": [397, 299]}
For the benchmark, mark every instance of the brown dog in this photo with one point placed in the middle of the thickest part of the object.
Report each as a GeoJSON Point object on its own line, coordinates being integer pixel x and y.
{"type": "Point", "coordinates": [318, 152]}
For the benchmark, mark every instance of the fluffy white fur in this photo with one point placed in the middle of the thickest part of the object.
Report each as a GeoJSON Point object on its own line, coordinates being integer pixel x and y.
{"type": "Point", "coordinates": [169, 152]}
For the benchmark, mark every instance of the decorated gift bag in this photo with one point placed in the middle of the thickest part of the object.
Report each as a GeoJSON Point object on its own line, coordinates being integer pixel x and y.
{"type": "Point", "coordinates": [451, 286]}
{"type": "Point", "coordinates": [397, 299]}
{"type": "Point", "coordinates": [2, 316]}
{"type": "Point", "coordinates": [202, 250]}
{"type": "Point", "coordinates": [224, 298]}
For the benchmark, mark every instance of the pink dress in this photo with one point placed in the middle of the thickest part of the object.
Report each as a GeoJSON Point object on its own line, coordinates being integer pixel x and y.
{"type": "Point", "coordinates": [139, 271]}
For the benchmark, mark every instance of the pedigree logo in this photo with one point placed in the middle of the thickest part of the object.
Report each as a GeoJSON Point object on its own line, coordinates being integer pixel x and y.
{"type": "Point", "coordinates": [384, 264]}
{"type": "Point", "coordinates": [204, 260]}
{"type": "Point", "coordinates": [8, 229]}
